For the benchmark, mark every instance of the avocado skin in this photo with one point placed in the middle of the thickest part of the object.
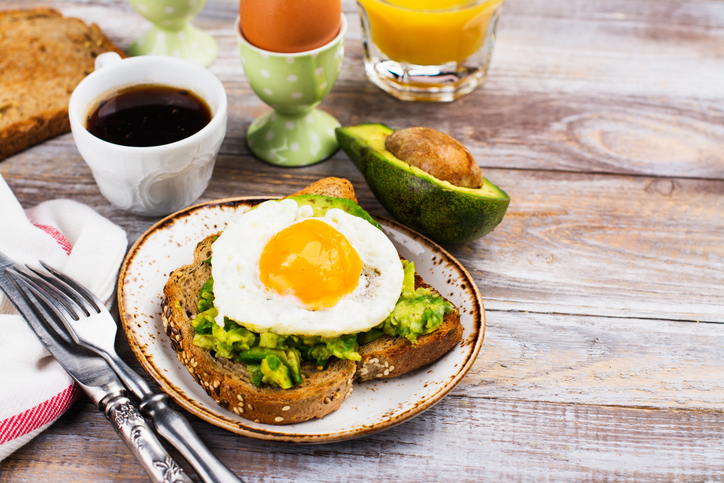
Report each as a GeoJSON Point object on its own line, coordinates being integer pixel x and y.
{"type": "Point", "coordinates": [443, 213]}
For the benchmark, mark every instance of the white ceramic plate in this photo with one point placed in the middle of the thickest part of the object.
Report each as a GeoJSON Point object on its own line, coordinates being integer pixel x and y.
{"type": "Point", "coordinates": [373, 406]}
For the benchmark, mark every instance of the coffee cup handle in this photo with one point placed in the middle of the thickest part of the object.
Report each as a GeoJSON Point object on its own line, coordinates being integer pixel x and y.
{"type": "Point", "coordinates": [106, 59]}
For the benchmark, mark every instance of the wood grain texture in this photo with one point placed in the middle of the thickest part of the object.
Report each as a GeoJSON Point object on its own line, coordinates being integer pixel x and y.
{"type": "Point", "coordinates": [599, 361]}
{"type": "Point", "coordinates": [644, 247]}
{"type": "Point", "coordinates": [604, 285]}
{"type": "Point", "coordinates": [460, 439]}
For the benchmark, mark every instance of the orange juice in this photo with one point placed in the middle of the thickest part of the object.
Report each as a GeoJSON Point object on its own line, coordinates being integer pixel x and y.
{"type": "Point", "coordinates": [429, 32]}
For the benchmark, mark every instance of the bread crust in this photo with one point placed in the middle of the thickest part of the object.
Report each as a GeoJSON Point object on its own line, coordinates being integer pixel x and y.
{"type": "Point", "coordinates": [228, 383]}
{"type": "Point", "coordinates": [334, 187]}
{"type": "Point", "coordinates": [44, 57]}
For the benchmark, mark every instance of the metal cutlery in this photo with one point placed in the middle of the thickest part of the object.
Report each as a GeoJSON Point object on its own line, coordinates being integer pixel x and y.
{"type": "Point", "coordinates": [97, 379]}
{"type": "Point", "coordinates": [89, 325]}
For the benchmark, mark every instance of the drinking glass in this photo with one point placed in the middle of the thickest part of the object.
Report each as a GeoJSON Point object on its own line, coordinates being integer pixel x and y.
{"type": "Point", "coordinates": [428, 50]}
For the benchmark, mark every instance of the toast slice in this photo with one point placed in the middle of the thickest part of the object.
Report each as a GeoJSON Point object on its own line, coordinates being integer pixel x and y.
{"type": "Point", "coordinates": [228, 382]}
{"type": "Point", "coordinates": [43, 57]}
{"type": "Point", "coordinates": [323, 392]}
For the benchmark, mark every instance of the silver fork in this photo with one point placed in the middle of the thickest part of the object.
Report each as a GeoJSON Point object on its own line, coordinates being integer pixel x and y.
{"type": "Point", "coordinates": [92, 326]}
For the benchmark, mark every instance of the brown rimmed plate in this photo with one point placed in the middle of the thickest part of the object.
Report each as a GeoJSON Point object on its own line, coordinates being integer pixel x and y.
{"type": "Point", "coordinates": [373, 406]}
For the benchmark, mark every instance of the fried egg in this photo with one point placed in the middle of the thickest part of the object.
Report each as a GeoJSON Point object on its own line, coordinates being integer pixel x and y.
{"type": "Point", "coordinates": [279, 268]}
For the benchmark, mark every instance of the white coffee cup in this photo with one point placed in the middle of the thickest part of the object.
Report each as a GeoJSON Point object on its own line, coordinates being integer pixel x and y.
{"type": "Point", "coordinates": [154, 180]}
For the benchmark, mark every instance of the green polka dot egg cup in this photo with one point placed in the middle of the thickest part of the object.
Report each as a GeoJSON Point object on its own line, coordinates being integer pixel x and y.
{"type": "Point", "coordinates": [172, 33]}
{"type": "Point", "coordinates": [294, 133]}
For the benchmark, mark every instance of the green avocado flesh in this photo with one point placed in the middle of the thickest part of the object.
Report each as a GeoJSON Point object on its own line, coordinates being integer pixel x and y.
{"type": "Point", "coordinates": [436, 208]}
{"type": "Point", "coordinates": [275, 360]}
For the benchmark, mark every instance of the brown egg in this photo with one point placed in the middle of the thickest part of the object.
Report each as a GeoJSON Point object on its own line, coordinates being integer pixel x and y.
{"type": "Point", "coordinates": [290, 26]}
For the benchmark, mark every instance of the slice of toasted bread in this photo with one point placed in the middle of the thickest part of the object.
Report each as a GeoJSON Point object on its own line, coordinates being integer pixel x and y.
{"type": "Point", "coordinates": [43, 57]}
{"type": "Point", "coordinates": [228, 382]}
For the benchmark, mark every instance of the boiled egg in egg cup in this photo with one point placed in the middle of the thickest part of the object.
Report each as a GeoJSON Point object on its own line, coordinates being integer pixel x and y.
{"type": "Point", "coordinates": [295, 133]}
{"type": "Point", "coordinates": [172, 33]}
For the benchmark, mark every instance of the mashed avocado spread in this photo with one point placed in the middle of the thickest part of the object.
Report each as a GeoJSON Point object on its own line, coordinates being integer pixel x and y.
{"type": "Point", "coordinates": [276, 360]}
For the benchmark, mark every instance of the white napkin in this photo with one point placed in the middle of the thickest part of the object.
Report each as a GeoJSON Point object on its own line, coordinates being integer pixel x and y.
{"type": "Point", "coordinates": [69, 236]}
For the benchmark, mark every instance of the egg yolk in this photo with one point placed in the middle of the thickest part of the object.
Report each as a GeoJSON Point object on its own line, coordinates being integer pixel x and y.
{"type": "Point", "coordinates": [312, 261]}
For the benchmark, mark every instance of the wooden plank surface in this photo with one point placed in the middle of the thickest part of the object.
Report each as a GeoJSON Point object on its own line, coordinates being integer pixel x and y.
{"type": "Point", "coordinates": [460, 439]}
{"type": "Point", "coordinates": [604, 285]}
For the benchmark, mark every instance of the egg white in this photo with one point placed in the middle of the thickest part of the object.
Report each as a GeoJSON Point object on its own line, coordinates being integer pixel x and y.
{"type": "Point", "coordinates": [240, 295]}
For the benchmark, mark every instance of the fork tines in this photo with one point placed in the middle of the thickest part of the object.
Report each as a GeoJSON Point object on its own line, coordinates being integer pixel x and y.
{"type": "Point", "coordinates": [55, 287]}
{"type": "Point", "coordinates": [49, 319]}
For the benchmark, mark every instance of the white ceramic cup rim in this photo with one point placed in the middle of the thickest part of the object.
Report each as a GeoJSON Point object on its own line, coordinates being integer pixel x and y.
{"type": "Point", "coordinates": [77, 112]}
{"type": "Point", "coordinates": [240, 37]}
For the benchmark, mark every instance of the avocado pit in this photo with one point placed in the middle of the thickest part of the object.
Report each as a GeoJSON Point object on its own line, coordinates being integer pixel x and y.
{"type": "Point", "coordinates": [437, 154]}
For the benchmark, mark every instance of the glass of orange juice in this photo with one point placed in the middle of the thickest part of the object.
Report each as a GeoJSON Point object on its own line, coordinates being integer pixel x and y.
{"type": "Point", "coordinates": [428, 50]}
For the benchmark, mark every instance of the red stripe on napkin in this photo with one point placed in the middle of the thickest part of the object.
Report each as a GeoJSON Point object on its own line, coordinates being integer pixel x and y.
{"type": "Point", "coordinates": [49, 410]}
{"type": "Point", "coordinates": [40, 415]}
{"type": "Point", "coordinates": [57, 236]}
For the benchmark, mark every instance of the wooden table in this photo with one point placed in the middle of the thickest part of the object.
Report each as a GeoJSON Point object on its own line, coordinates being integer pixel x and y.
{"type": "Point", "coordinates": [603, 286]}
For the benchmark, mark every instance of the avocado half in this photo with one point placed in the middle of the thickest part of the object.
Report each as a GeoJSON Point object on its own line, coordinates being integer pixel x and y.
{"type": "Point", "coordinates": [436, 208]}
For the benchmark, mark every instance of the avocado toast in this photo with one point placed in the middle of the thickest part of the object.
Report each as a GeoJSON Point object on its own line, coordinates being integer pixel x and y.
{"type": "Point", "coordinates": [322, 388]}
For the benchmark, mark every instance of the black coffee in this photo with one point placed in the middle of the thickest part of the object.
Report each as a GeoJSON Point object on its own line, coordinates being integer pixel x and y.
{"type": "Point", "coordinates": [148, 115]}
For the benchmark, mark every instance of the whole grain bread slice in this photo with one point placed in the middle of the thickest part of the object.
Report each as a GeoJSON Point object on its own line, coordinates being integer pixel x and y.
{"type": "Point", "coordinates": [228, 382]}
{"type": "Point", "coordinates": [43, 57]}
{"type": "Point", "coordinates": [323, 392]}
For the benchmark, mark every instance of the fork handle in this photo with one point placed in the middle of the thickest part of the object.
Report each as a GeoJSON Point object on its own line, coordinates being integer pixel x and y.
{"type": "Point", "coordinates": [138, 436]}
{"type": "Point", "coordinates": [176, 429]}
